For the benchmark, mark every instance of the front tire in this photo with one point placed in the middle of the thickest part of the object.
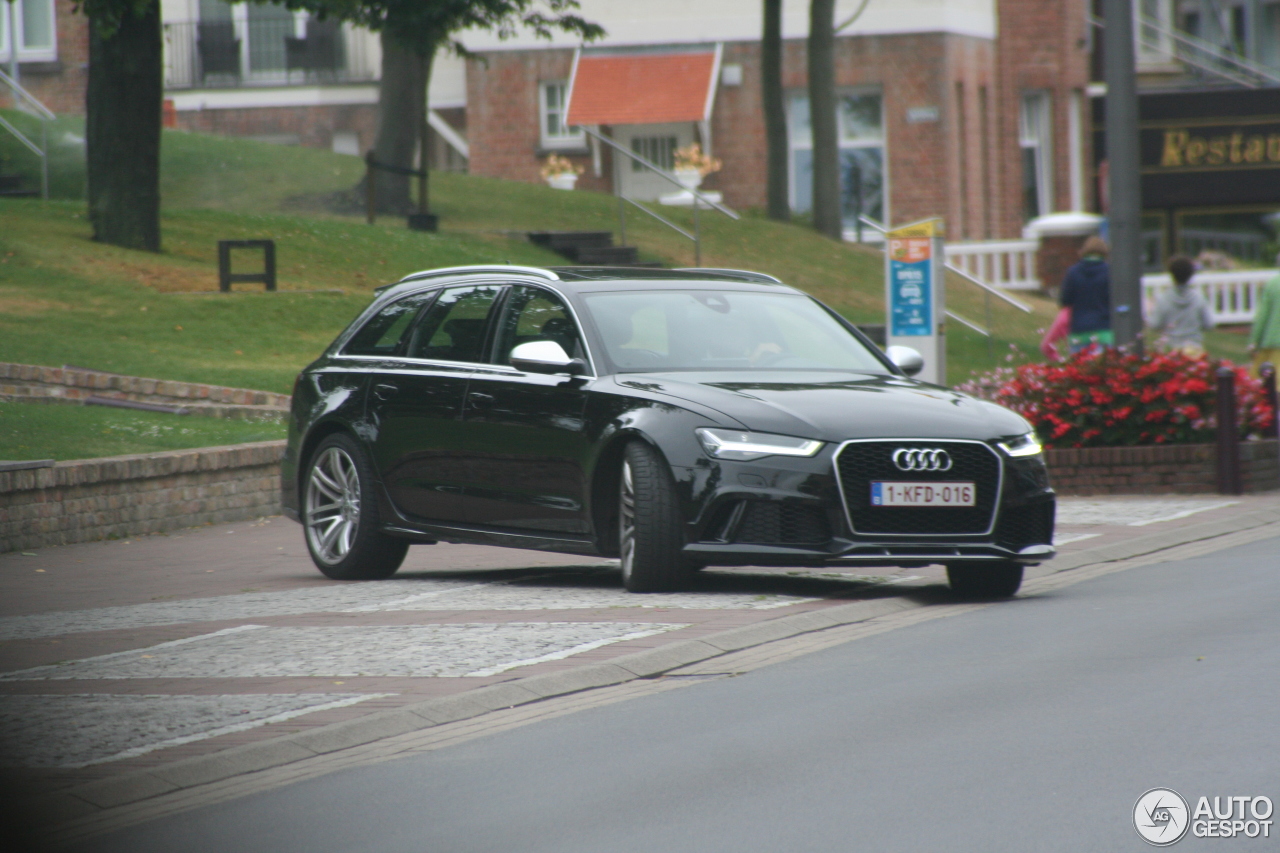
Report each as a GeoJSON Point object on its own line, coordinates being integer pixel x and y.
{"type": "Point", "coordinates": [340, 515]}
{"type": "Point", "coordinates": [649, 524]}
{"type": "Point", "coordinates": [985, 580]}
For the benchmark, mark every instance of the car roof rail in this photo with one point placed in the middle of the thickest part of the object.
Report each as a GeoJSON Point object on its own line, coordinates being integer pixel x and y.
{"type": "Point", "coordinates": [482, 268]}
{"type": "Point", "coordinates": [746, 275]}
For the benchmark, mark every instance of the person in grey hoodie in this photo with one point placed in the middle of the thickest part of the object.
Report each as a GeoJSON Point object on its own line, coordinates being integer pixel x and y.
{"type": "Point", "coordinates": [1182, 315]}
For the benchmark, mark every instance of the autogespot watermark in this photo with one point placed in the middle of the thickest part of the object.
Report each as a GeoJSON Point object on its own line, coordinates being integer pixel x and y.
{"type": "Point", "coordinates": [1162, 817]}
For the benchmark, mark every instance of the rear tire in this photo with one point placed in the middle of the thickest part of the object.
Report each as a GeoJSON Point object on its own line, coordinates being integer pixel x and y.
{"type": "Point", "coordinates": [649, 525]}
{"type": "Point", "coordinates": [985, 580]}
{"type": "Point", "coordinates": [340, 515]}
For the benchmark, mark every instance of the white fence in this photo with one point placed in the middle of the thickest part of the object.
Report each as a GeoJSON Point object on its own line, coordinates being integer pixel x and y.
{"type": "Point", "coordinates": [1001, 263]}
{"type": "Point", "coordinates": [1232, 296]}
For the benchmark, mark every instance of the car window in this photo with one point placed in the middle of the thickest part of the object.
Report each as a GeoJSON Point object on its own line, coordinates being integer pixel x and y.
{"type": "Point", "coordinates": [534, 314]}
{"type": "Point", "coordinates": [382, 334]}
{"type": "Point", "coordinates": [724, 330]}
{"type": "Point", "coordinates": [453, 329]}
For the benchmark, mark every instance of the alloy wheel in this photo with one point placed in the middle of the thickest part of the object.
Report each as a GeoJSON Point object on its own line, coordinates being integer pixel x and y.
{"type": "Point", "coordinates": [333, 505]}
{"type": "Point", "coordinates": [627, 521]}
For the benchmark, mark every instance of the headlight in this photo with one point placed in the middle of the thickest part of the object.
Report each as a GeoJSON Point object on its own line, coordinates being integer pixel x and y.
{"type": "Point", "coordinates": [1025, 445]}
{"type": "Point", "coordinates": [744, 446]}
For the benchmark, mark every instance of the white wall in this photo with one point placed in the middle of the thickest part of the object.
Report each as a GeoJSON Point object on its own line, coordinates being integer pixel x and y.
{"type": "Point", "coordinates": [673, 21]}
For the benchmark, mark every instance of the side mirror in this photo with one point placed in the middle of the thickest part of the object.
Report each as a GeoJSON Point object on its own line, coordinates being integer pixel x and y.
{"type": "Point", "coordinates": [908, 360]}
{"type": "Point", "coordinates": [546, 357]}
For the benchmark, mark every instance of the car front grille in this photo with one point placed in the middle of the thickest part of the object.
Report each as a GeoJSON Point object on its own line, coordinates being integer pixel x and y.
{"type": "Point", "coordinates": [1025, 525]}
{"type": "Point", "coordinates": [773, 523]}
{"type": "Point", "coordinates": [859, 463]}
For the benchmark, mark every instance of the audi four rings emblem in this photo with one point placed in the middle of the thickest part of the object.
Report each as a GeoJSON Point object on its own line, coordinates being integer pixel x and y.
{"type": "Point", "coordinates": [921, 459]}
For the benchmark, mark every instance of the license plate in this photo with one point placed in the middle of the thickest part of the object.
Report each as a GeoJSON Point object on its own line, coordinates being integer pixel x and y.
{"type": "Point", "coordinates": [884, 493]}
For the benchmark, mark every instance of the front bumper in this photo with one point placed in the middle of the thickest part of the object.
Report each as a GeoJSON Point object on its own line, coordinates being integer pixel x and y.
{"type": "Point", "coordinates": [791, 512]}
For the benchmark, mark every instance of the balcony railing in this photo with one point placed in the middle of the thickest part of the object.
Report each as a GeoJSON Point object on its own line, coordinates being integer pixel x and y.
{"type": "Point", "coordinates": [221, 54]}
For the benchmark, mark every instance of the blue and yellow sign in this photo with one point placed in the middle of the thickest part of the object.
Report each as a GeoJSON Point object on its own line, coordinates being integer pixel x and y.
{"type": "Point", "coordinates": [910, 286]}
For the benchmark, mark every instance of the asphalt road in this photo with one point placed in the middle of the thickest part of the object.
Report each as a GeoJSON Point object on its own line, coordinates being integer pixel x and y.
{"type": "Point", "coordinates": [1033, 724]}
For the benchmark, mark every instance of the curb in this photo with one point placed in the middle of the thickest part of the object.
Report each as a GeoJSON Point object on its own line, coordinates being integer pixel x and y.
{"type": "Point", "coordinates": [92, 798]}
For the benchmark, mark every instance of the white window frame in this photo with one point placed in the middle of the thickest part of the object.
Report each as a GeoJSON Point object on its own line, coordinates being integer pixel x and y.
{"type": "Point", "coordinates": [1035, 131]}
{"type": "Point", "coordinates": [568, 138]}
{"type": "Point", "coordinates": [797, 141]}
{"type": "Point", "coordinates": [43, 53]}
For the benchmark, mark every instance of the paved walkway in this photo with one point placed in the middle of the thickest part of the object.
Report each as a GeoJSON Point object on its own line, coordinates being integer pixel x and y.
{"type": "Point", "coordinates": [133, 668]}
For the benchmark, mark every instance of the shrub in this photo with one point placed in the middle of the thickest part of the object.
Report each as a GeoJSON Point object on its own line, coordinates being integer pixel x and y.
{"type": "Point", "coordinates": [1110, 398]}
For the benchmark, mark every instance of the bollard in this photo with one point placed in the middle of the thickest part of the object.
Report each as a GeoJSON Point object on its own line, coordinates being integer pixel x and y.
{"type": "Point", "coordinates": [1228, 435]}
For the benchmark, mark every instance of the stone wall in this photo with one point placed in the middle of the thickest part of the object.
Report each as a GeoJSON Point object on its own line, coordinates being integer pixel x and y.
{"type": "Point", "coordinates": [1182, 469]}
{"type": "Point", "coordinates": [120, 496]}
{"type": "Point", "coordinates": [36, 383]}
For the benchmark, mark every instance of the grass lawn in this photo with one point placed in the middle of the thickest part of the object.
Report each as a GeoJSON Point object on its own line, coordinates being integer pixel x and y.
{"type": "Point", "coordinates": [63, 431]}
{"type": "Point", "coordinates": [65, 299]}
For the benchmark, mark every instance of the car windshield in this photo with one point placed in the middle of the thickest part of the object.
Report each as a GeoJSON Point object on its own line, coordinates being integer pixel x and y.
{"type": "Point", "coordinates": [659, 330]}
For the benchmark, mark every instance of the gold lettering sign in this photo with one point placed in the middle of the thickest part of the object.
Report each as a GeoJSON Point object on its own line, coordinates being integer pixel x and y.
{"type": "Point", "coordinates": [1193, 148]}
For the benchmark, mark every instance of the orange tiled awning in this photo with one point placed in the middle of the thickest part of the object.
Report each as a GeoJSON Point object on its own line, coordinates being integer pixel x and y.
{"type": "Point", "coordinates": [642, 88]}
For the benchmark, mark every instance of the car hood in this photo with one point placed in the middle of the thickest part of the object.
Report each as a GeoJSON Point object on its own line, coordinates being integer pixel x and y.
{"type": "Point", "coordinates": [837, 406]}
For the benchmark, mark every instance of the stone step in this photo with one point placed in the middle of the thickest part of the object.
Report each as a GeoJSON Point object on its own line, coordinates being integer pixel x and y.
{"type": "Point", "coordinates": [607, 256]}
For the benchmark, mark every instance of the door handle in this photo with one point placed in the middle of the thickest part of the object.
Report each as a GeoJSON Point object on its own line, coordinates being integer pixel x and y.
{"type": "Point", "coordinates": [384, 391]}
{"type": "Point", "coordinates": [480, 401]}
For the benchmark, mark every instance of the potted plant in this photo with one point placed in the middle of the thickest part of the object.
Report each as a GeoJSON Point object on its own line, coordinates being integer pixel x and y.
{"type": "Point", "coordinates": [692, 165]}
{"type": "Point", "coordinates": [560, 173]}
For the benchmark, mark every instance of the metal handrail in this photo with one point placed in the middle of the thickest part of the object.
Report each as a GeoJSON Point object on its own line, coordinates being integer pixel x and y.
{"type": "Point", "coordinates": [623, 201]}
{"type": "Point", "coordinates": [43, 114]}
{"type": "Point", "coordinates": [43, 111]}
{"type": "Point", "coordinates": [654, 167]}
{"type": "Point", "coordinates": [662, 219]}
{"type": "Point", "coordinates": [994, 291]}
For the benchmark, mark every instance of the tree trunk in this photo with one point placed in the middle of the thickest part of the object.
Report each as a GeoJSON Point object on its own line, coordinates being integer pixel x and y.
{"type": "Point", "coordinates": [822, 118]}
{"type": "Point", "coordinates": [402, 97]}
{"type": "Point", "coordinates": [424, 195]}
{"type": "Point", "coordinates": [775, 114]}
{"type": "Point", "coordinates": [122, 130]}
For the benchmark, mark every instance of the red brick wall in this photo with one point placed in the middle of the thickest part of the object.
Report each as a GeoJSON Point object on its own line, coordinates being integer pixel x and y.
{"type": "Point", "coordinates": [313, 125]}
{"type": "Point", "coordinates": [1172, 469]}
{"type": "Point", "coordinates": [1041, 46]}
{"type": "Point", "coordinates": [59, 85]}
{"type": "Point", "coordinates": [502, 117]}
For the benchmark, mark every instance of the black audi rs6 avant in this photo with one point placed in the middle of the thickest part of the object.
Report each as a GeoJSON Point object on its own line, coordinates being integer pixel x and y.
{"type": "Point", "coordinates": [675, 419]}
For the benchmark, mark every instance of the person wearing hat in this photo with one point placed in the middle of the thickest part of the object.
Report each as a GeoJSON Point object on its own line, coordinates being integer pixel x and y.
{"type": "Point", "coordinates": [1264, 338]}
{"type": "Point", "coordinates": [1086, 290]}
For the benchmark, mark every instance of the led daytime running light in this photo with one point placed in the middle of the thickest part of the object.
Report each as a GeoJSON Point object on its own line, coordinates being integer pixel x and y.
{"type": "Point", "coordinates": [743, 446]}
{"type": "Point", "coordinates": [1027, 445]}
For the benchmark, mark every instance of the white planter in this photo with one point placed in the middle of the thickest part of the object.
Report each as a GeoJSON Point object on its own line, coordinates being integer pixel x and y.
{"type": "Point", "coordinates": [563, 181]}
{"type": "Point", "coordinates": [688, 178]}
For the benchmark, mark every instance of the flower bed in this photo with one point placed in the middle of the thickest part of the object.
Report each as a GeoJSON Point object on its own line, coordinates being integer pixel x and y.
{"type": "Point", "coordinates": [1109, 398]}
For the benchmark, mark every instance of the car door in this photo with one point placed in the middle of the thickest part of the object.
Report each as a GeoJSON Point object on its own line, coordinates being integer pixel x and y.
{"type": "Point", "coordinates": [525, 432]}
{"type": "Point", "coordinates": [417, 401]}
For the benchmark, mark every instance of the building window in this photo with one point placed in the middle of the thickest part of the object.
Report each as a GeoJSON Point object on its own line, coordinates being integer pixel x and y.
{"type": "Point", "coordinates": [552, 109]}
{"type": "Point", "coordinates": [862, 165]}
{"type": "Point", "coordinates": [34, 24]}
{"type": "Point", "coordinates": [1269, 35]}
{"type": "Point", "coordinates": [658, 150]}
{"type": "Point", "coordinates": [1037, 156]}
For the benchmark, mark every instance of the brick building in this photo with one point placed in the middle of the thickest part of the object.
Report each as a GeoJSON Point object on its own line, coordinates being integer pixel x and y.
{"type": "Point", "coordinates": [974, 110]}
{"type": "Point", "coordinates": [52, 51]}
